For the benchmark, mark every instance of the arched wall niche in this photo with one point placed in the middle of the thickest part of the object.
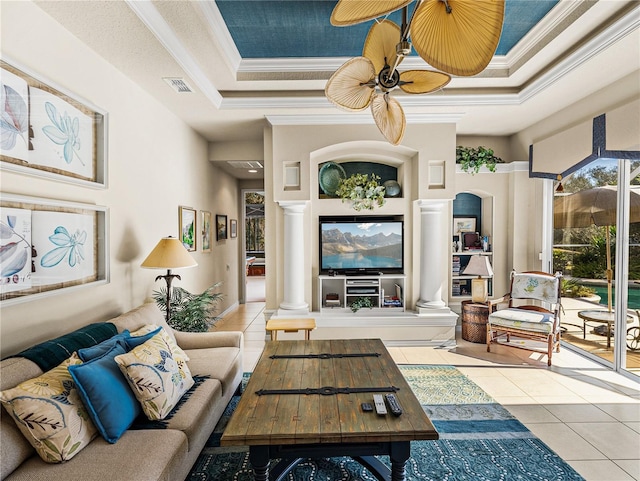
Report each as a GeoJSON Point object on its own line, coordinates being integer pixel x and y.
{"type": "Point", "coordinates": [484, 212]}
{"type": "Point", "coordinates": [399, 157]}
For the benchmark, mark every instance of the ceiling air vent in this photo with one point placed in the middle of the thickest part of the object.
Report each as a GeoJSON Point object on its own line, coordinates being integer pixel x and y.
{"type": "Point", "coordinates": [244, 164]}
{"type": "Point", "coordinates": [178, 84]}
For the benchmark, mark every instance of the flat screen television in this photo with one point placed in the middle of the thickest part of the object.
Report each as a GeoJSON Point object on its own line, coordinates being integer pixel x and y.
{"type": "Point", "coordinates": [361, 245]}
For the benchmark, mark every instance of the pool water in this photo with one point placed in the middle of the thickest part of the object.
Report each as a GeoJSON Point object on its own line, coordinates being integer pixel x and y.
{"type": "Point", "coordinates": [632, 303]}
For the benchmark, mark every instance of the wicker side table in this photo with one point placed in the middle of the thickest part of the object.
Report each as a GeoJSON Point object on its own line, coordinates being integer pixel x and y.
{"type": "Point", "coordinates": [474, 321]}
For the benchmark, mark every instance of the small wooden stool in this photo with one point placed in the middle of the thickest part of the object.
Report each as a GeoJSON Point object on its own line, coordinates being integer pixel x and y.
{"type": "Point", "coordinates": [290, 325]}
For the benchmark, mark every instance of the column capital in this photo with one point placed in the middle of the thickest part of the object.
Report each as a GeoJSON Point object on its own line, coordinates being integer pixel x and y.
{"type": "Point", "coordinates": [293, 206]}
{"type": "Point", "coordinates": [433, 205]}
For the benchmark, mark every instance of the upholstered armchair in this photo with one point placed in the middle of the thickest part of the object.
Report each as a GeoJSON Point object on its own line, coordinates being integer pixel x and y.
{"type": "Point", "coordinates": [532, 313]}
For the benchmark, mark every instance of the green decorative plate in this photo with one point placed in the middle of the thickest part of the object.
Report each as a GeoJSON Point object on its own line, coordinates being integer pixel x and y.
{"type": "Point", "coordinates": [329, 177]}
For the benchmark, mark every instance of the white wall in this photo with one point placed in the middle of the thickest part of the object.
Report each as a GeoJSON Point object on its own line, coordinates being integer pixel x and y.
{"type": "Point", "coordinates": [155, 163]}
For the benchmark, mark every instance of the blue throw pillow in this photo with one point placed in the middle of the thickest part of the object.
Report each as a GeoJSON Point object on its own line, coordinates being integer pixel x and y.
{"type": "Point", "coordinates": [135, 341]}
{"type": "Point", "coordinates": [111, 404]}
{"type": "Point", "coordinates": [99, 350]}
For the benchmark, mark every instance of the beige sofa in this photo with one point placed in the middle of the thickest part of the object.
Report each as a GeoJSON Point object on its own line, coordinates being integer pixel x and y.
{"type": "Point", "coordinates": [141, 454]}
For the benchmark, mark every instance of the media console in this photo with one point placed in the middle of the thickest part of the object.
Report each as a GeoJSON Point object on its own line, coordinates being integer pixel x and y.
{"type": "Point", "coordinates": [337, 293]}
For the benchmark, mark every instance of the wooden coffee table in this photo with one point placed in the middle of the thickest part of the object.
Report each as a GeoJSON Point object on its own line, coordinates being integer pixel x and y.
{"type": "Point", "coordinates": [292, 427]}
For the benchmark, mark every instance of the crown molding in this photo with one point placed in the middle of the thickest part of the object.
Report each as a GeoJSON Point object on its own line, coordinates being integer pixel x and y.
{"type": "Point", "coordinates": [219, 31]}
{"type": "Point", "coordinates": [564, 13]}
{"type": "Point", "coordinates": [150, 16]}
{"type": "Point", "coordinates": [361, 118]}
{"type": "Point", "coordinates": [617, 31]}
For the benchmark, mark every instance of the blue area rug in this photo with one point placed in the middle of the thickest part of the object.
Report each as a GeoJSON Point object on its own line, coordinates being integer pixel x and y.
{"type": "Point", "coordinates": [479, 441]}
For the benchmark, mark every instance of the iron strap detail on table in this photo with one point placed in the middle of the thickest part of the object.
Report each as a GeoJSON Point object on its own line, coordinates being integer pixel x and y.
{"type": "Point", "coordinates": [301, 426]}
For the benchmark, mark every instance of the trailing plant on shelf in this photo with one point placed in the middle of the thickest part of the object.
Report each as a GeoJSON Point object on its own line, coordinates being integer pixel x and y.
{"type": "Point", "coordinates": [360, 302]}
{"type": "Point", "coordinates": [471, 159]}
{"type": "Point", "coordinates": [363, 190]}
{"type": "Point", "coordinates": [190, 312]}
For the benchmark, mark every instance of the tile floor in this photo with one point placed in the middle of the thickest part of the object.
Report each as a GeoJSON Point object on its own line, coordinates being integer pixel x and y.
{"type": "Point", "coordinates": [589, 415]}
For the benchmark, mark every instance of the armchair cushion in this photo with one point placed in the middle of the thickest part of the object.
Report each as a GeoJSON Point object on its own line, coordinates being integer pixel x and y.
{"type": "Point", "coordinates": [535, 286]}
{"type": "Point", "coordinates": [523, 319]}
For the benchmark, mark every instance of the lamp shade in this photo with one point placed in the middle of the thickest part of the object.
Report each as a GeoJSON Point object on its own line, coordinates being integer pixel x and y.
{"type": "Point", "coordinates": [169, 253]}
{"type": "Point", "coordinates": [478, 266]}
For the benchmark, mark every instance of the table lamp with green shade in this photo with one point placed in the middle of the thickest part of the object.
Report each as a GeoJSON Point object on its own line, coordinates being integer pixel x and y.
{"type": "Point", "coordinates": [169, 254]}
{"type": "Point", "coordinates": [479, 266]}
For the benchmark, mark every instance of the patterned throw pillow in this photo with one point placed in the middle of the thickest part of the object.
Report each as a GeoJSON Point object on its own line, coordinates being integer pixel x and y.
{"type": "Point", "coordinates": [179, 354]}
{"type": "Point", "coordinates": [50, 414]}
{"type": "Point", "coordinates": [157, 374]}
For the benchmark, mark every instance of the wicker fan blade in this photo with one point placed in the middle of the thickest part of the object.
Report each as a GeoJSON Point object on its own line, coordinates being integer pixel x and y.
{"type": "Point", "coordinates": [389, 117]}
{"type": "Point", "coordinates": [461, 42]}
{"type": "Point", "coordinates": [348, 87]}
{"type": "Point", "coordinates": [422, 81]}
{"type": "Point", "coordinates": [350, 12]}
{"type": "Point", "coordinates": [380, 44]}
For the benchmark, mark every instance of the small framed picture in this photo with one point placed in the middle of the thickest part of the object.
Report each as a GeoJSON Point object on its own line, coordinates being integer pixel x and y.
{"type": "Point", "coordinates": [187, 227]}
{"type": "Point", "coordinates": [206, 231]}
{"type": "Point", "coordinates": [221, 227]}
{"type": "Point", "coordinates": [463, 224]}
{"type": "Point", "coordinates": [233, 228]}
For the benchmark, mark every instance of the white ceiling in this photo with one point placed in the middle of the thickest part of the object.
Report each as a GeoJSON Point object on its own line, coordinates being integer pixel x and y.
{"type": "Point", "coordinates": [577, 49]}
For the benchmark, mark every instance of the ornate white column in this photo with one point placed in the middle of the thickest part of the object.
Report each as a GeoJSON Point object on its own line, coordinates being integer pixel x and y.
{"type": "Point", "coordinates": [432, 255]}
{"type": "Point", "coordinates": [294, 261]}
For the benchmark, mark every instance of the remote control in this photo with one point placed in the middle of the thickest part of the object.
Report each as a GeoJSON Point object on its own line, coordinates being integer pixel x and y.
{"type": "Point", "coordinates": [367, 407]}
{"type": "Point", "coordinates": [379, 403]}
{"type": "Point", "coordinates": [394, 405]}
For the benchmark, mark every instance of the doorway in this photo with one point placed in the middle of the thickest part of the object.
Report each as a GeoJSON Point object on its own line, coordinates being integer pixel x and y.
{"type": "Point", "coordinates": [253, 243]}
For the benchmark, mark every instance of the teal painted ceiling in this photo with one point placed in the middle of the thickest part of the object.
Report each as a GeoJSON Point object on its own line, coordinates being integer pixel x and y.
{"type": "Point", "coordinates": [301, 29]}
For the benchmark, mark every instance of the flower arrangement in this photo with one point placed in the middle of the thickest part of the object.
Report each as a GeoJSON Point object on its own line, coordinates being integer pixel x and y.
{"type": "Point", "coordinates": [363, 190]}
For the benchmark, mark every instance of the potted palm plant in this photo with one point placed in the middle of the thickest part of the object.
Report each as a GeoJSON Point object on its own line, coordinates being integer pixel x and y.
{"type": "Point", "coordinates": [190, 312]}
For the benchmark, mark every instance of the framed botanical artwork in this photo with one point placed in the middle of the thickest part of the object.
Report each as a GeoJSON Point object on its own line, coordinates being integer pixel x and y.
{"type": "Point", "coordinates": [463, 224]}
{"type": "Point", "coordinates": [221, 227]}
{"type": "Point", "coordinates": [49, 132]}
{"type": "Point", "coordinates": [206, 231]}
{"type": "Point", "coordinates": [49, 245]}
{"type": "Point", "coordinates": [233, 228]}
{"type": "Point", "coordinates": [187, 227]}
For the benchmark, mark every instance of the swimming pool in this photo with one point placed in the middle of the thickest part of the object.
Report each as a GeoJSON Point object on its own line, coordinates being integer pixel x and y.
{"type": "Point", "coordinates": [634, 295]}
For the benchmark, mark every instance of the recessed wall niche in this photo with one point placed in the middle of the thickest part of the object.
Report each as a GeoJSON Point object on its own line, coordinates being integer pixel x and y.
{"type": "Point", "coordinates": [347, 169]}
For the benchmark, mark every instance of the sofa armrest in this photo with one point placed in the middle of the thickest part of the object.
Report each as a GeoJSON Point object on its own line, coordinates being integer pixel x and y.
{"type": "Point", "coordinates": [203, 340]}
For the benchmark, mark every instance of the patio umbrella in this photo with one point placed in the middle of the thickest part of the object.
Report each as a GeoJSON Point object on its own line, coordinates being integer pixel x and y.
{"type": "Point", "coordinates": [595, 206]}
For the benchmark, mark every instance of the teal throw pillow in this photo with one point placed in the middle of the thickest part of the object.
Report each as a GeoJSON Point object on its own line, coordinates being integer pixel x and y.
{"type": "Point", "coordinates": [99, 350]}
{"type": "Point", "coordinates": [111, 404]}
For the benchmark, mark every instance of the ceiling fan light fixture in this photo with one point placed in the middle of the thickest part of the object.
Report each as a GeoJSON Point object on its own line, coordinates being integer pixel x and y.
{"type": "Point", "coordinates": [461, 42]}
{"type": "Point", "coordinates": [351, 12]}
{"type": "Point", "coordinates": [389, 117]}
{"type": "Point", "coordinates": [422, 81]}
{"type": "Point", "coordinates": [351, 87]}
{"type": "Point", "coordinates": [380, 44]}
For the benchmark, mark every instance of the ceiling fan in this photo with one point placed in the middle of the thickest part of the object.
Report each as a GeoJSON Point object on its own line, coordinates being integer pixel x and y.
{"type": "Point", "coordinates": [458, 37]}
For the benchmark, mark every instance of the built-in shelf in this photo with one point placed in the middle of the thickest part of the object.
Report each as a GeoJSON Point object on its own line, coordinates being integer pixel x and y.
{"type": "Point", "coordinates": [337, 293]}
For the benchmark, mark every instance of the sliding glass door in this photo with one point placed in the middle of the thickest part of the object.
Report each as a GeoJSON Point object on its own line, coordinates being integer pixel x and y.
{"type": "Point", "coordinates": [596, 245]}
